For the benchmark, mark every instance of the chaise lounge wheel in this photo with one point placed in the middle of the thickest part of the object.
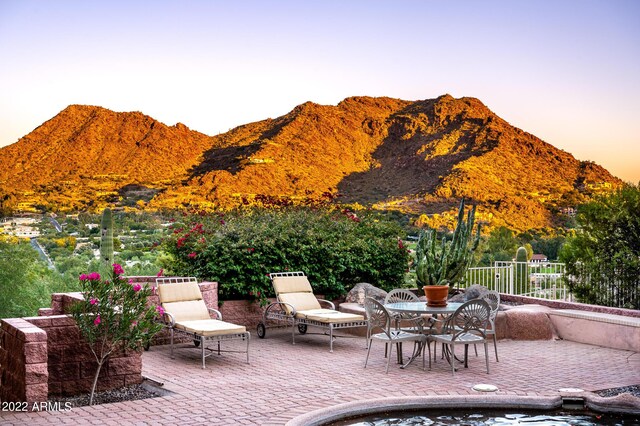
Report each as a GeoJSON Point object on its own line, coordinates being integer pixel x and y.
{"type": "Point", "coordinates": [302, 328]}
{"type": "Point", "coordinates": [262, 330]}
{"type": "Point", "coordinates": [196, 342]}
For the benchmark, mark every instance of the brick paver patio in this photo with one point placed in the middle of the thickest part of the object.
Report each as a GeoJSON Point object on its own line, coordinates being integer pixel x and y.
{"type": "Point", "coordinates": [284, 381]}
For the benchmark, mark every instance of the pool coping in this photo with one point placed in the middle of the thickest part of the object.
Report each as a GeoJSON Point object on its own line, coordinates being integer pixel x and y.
{"type": "Point", "coordinates": [621, 404]}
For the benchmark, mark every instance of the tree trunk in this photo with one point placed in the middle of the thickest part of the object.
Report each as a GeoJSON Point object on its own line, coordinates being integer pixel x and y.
{"type": "Point", "coordinates": [95, 381]}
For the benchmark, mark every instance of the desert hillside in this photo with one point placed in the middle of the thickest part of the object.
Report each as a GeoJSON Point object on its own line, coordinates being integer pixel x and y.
{"type": "Point", "coordinates": [416, 157]}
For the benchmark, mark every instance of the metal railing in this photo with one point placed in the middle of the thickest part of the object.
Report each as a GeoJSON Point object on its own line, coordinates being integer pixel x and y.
{"type": "Point", "coordinates": [542, 280]}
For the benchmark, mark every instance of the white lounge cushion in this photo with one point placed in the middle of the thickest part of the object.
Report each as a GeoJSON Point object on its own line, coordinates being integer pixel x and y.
{"type": "Point", "coordinates": [294, 284]}
{"type": "Point", "coordinates": [210, 327]}
{"type": "Point", "coordinates": [187, 311]}
{"type": "Point", "coordinates": [179, 292]}
{"type": "Point", "coordinates": [300, 301]}
{"type": "Point", "coordinates": [328, 316]}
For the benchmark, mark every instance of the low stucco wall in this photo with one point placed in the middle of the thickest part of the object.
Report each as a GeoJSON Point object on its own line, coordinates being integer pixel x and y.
{"type": "Point", "coordinates": [612, 331]}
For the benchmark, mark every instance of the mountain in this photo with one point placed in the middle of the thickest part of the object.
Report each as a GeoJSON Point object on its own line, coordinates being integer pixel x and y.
{"type": "Point", "coordinates": [417, 157]}
{"type": "Point", "coordinates": [88, 141]}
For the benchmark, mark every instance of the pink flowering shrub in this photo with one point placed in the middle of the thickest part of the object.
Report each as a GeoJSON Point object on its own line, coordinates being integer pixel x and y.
{"type": "Point", "coordinates": [114, 314]}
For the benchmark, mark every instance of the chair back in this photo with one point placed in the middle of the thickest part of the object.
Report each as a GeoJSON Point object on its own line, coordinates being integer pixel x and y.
{"type": "Point", "coordinates": [492, 298]}
{"type": "Point", "coordinates": [399, 295]}
{"type": "Point", "coordinates": [167, 280]}
{"type": "Point", "coordinates": [377, 317]}
{"type": "Point", "coordinates": [470, 317]}
{"type": "Point", "coordinates": [294, 289]}
{"type": "Point", "coordinates": [183, 300]}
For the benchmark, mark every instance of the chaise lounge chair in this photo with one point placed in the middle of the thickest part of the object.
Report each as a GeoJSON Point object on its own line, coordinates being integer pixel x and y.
{"type": "Point", "coordinates": [299, 308]}
{"type": "Point", "coordinates": [185, 312]}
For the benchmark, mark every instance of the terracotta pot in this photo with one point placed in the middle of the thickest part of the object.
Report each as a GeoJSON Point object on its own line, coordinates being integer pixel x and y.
{"type": "Point", "coordinates": [436, 294]}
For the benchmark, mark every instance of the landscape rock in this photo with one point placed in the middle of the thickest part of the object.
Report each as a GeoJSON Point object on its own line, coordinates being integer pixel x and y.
{"type": "Point", "coordinates": [473, 292]}
{"type": "Point", "coordinates": [362, 290]}
{"type": "Point", "coordinates": [529, 322]}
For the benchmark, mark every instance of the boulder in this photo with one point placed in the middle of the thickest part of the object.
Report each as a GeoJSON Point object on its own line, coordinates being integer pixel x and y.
{"type": "Point", "coordinates": [529, 322]}
{"type": "Point", "coordinates": [362, 290]}
{"type": "Point", "coordinates": [472, 292]}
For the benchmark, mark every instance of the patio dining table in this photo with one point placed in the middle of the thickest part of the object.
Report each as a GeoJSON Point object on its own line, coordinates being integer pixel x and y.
{"type": "Point", "coordinates": [421, 308]}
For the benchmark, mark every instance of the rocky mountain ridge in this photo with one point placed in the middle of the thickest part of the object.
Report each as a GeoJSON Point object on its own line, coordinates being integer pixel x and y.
{"type": "Point", "coordinates": [415, 157]}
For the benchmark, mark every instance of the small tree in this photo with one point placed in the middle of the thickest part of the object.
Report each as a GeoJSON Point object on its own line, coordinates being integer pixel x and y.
{"type": "Point", "coordinates": [603, 257]}
{"type": "Point", "coordinates": [114, 316]}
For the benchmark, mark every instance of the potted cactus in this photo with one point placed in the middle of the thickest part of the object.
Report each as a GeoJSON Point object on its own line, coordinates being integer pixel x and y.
{"type": "Point", "coordinates": [442, 264]}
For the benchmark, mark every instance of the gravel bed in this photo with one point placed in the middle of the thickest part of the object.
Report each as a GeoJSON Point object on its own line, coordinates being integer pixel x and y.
{"type": "Point", "coordinates": [633, 390]}
{"type": "Point", "coordinates": [127, 393]}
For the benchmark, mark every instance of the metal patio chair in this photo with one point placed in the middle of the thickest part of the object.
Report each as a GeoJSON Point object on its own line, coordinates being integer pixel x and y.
{"type": "Point", "coordinates": [186, 313]}
{"type": "Point", "coordinates": [467, 326]}
{"type": "Point", "coordinates": [417, 322]}
{"type": "Point", "coordinates": [492, 298]}
{"type": "Point", "coordinates": [379, 319]}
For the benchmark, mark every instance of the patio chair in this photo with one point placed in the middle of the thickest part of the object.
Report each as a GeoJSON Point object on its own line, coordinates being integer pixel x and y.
{"type": "Point", "coordinates": [299, 308]}
{"type": "Point", "coordinates": [186, 313]}
{"type": "Point", "coordinates": [379, 319]}
{"type": "Point", "coordinates": [492, 298]}
{"type": "Point", "coordinates": [418, 322]}
{"type": "Point", "coordinates": [467, 326]}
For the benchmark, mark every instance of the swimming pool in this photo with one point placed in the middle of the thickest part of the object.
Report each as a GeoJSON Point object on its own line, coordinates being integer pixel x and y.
{"type": "Point", "coordinates": [478, 409]}
{"type": "Point", "coordinates": [475, 417]}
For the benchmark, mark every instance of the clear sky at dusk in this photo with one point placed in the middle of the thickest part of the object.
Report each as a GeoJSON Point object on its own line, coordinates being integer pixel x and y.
{"type": "Point", "coordinates": [566, 71]}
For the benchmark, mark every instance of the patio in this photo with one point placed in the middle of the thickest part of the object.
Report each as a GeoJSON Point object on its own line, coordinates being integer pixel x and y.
{"type": "Point", "coordinates": [284, 381]}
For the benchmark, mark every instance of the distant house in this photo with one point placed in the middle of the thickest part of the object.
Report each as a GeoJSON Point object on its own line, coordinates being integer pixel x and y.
{"type": "Point", "coordinates": [539, 258]}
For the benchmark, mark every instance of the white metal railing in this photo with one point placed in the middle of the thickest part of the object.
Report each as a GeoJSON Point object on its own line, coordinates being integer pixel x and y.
{"type": "Point", "coordinates": [542, 280]}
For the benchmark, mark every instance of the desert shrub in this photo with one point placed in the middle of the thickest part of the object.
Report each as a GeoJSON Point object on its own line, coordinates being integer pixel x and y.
{"type": "Point", "coordinates": [335, 249]}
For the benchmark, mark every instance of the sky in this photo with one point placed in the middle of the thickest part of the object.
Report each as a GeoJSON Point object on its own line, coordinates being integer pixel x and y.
{"type": "Point", "coordinates": [566, 71]}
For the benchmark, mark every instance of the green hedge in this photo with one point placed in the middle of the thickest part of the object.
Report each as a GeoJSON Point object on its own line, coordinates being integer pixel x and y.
{"type": "Point", "coordinates": [336, 249]}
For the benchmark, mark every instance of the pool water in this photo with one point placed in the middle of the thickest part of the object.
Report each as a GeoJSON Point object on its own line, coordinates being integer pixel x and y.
{"type": "Point", "coordinates": [474, 418]}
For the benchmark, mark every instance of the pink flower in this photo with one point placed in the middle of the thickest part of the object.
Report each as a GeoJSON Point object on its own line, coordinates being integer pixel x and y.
{"type": "Point", "coordinates": [117, 269]}
{"type": "Point", "coordinates": [160, 310]}
{"type": "Point", "coordinates": [93, 301]}
{"type": "Point", "coordinates": [161, 273]}
{"type": "Point", "coordinates": [97, 320]}
{"type": "Point", "coordinates": [94, 276]}
{"type": "Point", "coordinates": [83, 277]}
{"type": "Point", "coordinates": [192, 255]}
{"type": "Point", "coordinates": [137, 287]}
